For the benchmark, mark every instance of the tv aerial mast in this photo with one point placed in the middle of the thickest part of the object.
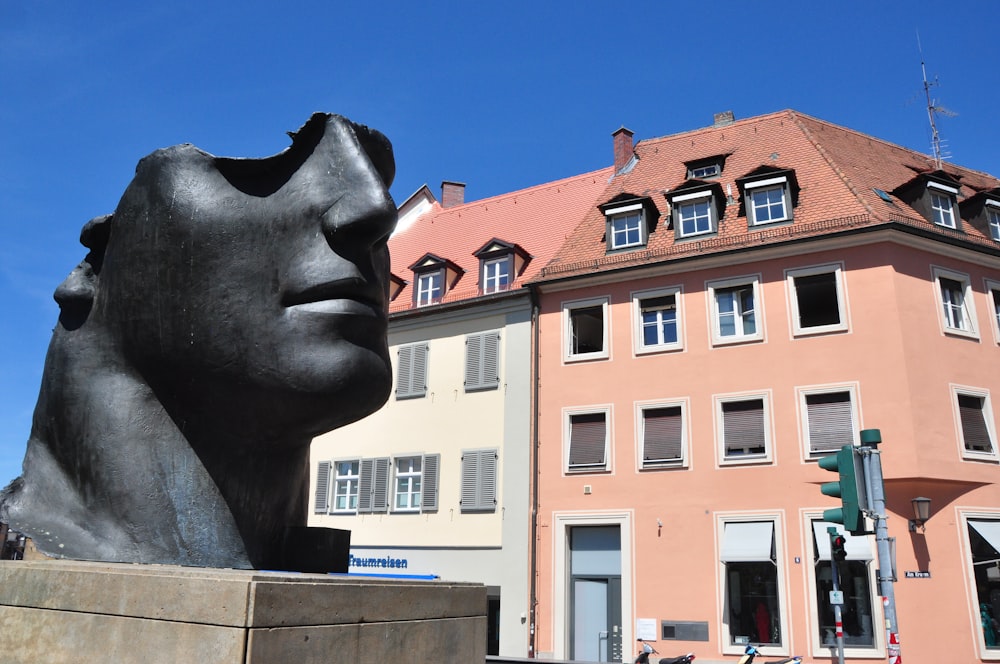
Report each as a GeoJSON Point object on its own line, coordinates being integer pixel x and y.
{"type": "Point", "coordinates": [933, 110]}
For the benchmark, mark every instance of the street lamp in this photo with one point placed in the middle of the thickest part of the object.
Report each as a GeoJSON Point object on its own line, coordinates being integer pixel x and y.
{"type": "Point", "coordinates": [921, 512]}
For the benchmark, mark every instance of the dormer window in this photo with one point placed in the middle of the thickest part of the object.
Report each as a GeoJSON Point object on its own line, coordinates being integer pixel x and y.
{"type": "Point", "coordinates": [768, 195]}
{"type": "Point", "coordinates": [993, 218]}
{"type": "Point", "coordinates": [705, 169]}
{"type": "Point", "coordinates": [499, 264]}
{"type": "Point", "coordinates": [942, 198]}
{"type": "Point", "coordinates": [694, 208]}
{"type": "Point", "coordinates": [628, 222]}
{"type": "Point", "coordinates": [396, 286]}
{"type": "Point", "coordinates": [433, 277]}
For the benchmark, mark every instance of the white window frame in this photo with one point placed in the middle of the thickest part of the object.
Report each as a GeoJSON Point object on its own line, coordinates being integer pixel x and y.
{"type": "Point", "coordinates": [767, 456]}
{"type": "Point", "coordinates": [770, 184]}
{"type": "Point", "coordinates": [705, 171]}
{"type": "Point", "coordinates": [939, 214]}
{"type": "Point", "coordinates": [567, 310]}
{"type": "Point", "coordinates": [993, 306]}
{"type": "Point", "coordinates": [494, 271]}
{"type": "Point", "coordinates": [947, 310]}
{"type": "Point", "coordinates": [640, 430]}
{"type": "Point", "coordinates": [987, 410]}
{"type": "Point", "coordinates": [711, 287]}
{"type": "Point", "coordinates": [690, 201]}
{"type": "Point", "coordinates": [425, 289]}
{"type": "Point", "coordinates": [336, 483]}
{"type": "Point", "coordinates": [964, 517]}
{"type": "Point", "coordinates": [837, 269]}
{"type": "Point", "coordinates": [626, 215]}
{"type": "Point", "coordinates": [409, 475]}
{"type": "Point", "coordinates": [567, 415]}
{"type": "Point", "coordinates": [993, 219]}
{"type": "Point", "coordinates": [816, 647]}
{"type": "Point", "coordinates": [777, 519]}
{"type": "Point", "coordinates": [802, 393]}
{"type": "Point", "coordinates": [638, 337]}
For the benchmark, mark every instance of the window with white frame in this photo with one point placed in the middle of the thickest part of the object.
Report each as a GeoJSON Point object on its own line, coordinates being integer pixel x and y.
{"type": "Point", "coordinates": [663, 436]}
{"type": "Point", "coordinates": [735, 305]}
{"type": "Point", "coordinates": [586, 435]}
{"type": "Point", "coordinates": [983, 532]}
{"type": "Point", "coordinates": [411, 371]}
{"type": "Point", "coordinates": [705, 171]}
{"type": "Point", "coordinates": [993, 288]}
{"type": "Point", "coordinates": [743, 426]}
{"type": "Point", "coordinates": [993, 219]}
{"type": "Point", "coordinates": [855, 576]}
{"type": "Point", "coordinates": [496, 274]}
{"type": "Point", "coordinates": [942, 199]}
{"type": "Point", "coordinates": [626, 229]}
{"type": "Point", "coordinates": [585, 325]}
{"type": "Point", "coordinates": [694, 213]}
{"type": "Point", "coordinates": [482, 361]}
{"type": "Point", "coordinates": [479, 480]}
{"type": "Point", "coordinates": [829, 419]}
{"type": "Point", "coordinates": [656, 320]}
{"type": "Point", "coordinates": [407, 484]}
{"type": "Point", "coordinates": [430, 287]}
{"type": "Point", "coordinates": [752, 583]}
{"type": "Point", "coordinates": [767, 201]}
{"type": "Point", "coordinates": [955, 296]}
{"type": "Point", "coordinates": [345, 486]}
{"type": "Point", "coordinates": [817, 298]}
{"type": "Point", "coordinates": [975, 422]}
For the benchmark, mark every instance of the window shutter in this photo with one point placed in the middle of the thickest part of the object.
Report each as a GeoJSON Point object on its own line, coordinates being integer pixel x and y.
{"type": "Point", "coordinates": [429, 483]}
{"type": "Point", "coordinates": [482, 353]}
{"type": "Point", "coordinates": [974, 431]}
{"type": "Point", "coordinates": [830, 423]}
{"type": "Point", "coordinates": [663, 435]}
{"type": "Point", "coordinates": [380, 486]}
{"type": "Point", "coordinates": [323, 487]}
{"type": "Point", "coordinates": [365, 477]}
{"type": "Point", "coordinates": [479, 480]}
{"type": "Point", "coordinates": [743, 426]}
{"type": "Point", "coordinates": [411, 380]}
{"type": "Point", "coordinates": [588, 434]}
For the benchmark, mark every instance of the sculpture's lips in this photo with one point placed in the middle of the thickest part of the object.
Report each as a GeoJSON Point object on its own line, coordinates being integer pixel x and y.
{"type": "Point", "coordinates": [347, 296]}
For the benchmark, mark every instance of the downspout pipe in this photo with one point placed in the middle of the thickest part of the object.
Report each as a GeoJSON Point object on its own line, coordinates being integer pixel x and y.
{"type": "Point", "coordinates": [533, 474]}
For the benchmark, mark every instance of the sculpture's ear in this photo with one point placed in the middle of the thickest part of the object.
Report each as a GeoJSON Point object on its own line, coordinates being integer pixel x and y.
{"type": "Point", "coordinates": [75, 294]}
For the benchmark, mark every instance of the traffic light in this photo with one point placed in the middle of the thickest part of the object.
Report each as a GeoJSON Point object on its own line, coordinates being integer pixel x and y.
{"type": "Point", "coordinates": [837, 544]}
{"type": "Point", "coordinates": [850, 489]}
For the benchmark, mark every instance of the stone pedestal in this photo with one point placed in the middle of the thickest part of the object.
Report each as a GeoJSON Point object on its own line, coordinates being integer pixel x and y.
{"type": "Point", "coordinates": [69, 611]}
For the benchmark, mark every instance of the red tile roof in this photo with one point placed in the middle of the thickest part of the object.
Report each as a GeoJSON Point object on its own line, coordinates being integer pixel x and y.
{"type": "Point", "coordinates": [538, 219]}
{"type": "Point", "coordinates": [837, 170]}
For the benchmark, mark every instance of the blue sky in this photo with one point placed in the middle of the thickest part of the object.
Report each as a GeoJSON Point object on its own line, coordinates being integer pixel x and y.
{"type": "Point", "coordinates": [497, 95]}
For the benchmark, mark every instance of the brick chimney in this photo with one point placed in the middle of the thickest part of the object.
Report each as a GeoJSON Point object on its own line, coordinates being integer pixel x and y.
{"type": "Point", "coordinates": [624, 150]}
{"type": "Point", "coordinates": [452, 193]}
{"type": "Point", "coordinates": [724, 118]}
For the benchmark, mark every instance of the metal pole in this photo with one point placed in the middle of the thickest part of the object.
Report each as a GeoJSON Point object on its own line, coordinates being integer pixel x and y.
{"type": "Point", "coordinates": [874, 467]}
{"type": "Point", "coordinates": [837, 611]}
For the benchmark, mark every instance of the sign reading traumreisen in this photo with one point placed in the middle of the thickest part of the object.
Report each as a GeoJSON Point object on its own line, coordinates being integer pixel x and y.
{"type": "Point", "coordinates": [379, 562]}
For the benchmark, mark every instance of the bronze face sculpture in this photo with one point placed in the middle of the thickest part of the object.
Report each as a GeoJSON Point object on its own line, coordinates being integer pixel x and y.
{"type": "Point", "coordinates": [227, 312]}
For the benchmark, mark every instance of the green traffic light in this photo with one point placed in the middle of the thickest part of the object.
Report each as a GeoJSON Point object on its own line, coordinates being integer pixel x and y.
{"type": "Point", "coordinates": [850, 489]}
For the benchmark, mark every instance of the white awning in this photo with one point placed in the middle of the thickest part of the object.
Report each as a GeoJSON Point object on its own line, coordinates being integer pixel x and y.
{"type": "Point", "coordinates": [857, 548]}
{"type": "Point", "coordinates": [990, 530]}
{"type": "Point", "coordinates": [747, 541]}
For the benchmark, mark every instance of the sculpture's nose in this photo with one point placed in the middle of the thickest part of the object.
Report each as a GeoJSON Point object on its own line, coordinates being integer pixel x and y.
{"type": "Point", "coordinates": [363, 212]}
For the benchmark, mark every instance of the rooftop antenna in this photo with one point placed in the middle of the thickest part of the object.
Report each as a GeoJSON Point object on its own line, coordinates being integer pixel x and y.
{"type": "Point", "coordinates": [933, 109]}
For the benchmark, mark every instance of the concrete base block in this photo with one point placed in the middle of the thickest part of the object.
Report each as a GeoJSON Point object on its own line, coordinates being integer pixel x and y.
{"type": "Point", "coordinates": [69, 611]}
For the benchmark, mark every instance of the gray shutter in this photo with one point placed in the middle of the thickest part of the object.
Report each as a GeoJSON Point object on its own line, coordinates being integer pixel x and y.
{"type": "Point", "coordinates": [365, 476]}
{"type": "Point", "coordinates": [974, 431]}
{"type": "Point", "coordinates": [429, 483]}
{"type": "Point", "coordinates": [743, 427]}
{"type": "Point", "coordinates": [380, 486]}
{"type": "Point", "coordinates": [662, 435]}
{"type": "Point", "coordinates": [482, 353]}
{"type": "Point", "coordinates": [587, 438]}
{"type": "Point", "coordinates": [831, 425]}
{"type": "Point", "coordinates": [411, 378]}
{"type": "Point", "coordinates": [322, 487]}
{"type": "Point", "coordinates": [479, 480]}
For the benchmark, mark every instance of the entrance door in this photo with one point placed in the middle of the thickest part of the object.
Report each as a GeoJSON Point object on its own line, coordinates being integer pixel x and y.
{"type": "Point", "coordinates": [596, 594]}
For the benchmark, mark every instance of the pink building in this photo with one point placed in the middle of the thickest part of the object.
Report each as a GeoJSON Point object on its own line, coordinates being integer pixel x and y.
{"type": "Point", "coordinates": [743, 300]}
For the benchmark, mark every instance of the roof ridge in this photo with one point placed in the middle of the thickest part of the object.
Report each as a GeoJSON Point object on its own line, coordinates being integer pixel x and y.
{"type": "Point", "coordinates": [734, 123]}
{"type": "Point", "coordinates": [829, 160]}
{"type": "Point", "coordinates": [528, 190]}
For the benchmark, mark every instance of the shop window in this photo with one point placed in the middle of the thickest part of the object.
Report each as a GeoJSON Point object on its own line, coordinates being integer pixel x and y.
{"type": "Point", "coordinates": [855, 581]}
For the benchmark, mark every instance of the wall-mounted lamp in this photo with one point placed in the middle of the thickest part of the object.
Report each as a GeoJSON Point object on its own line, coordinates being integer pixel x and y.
{"type": "Point", "coordinates": [921, 512]}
